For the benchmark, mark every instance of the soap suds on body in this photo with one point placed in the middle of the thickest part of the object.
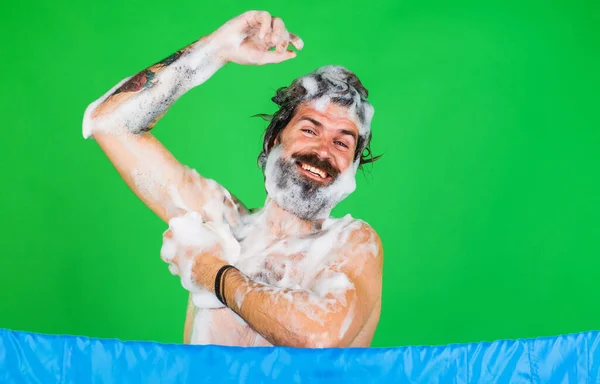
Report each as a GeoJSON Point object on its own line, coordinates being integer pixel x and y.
{"type": "Point", "coordinates": [311, 264]}
{"type": "Point", "coordinates": [192, 68]}
{"type": "Point", "coordinates": [189, 232]}
{"type": "Point", "coordinates": [249, 246]}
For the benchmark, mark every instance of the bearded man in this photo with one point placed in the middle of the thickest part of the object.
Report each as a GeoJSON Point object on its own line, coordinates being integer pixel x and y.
{"type": "Point", "coordinates": [286, 274]}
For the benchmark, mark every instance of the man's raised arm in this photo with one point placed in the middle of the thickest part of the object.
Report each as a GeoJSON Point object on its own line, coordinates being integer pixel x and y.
{"type": "Point", "coordinates": [121, 120]}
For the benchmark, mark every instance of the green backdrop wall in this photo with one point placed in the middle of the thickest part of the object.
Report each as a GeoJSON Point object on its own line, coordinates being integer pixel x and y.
{"type": "Point", "coordinates": [486, 198]}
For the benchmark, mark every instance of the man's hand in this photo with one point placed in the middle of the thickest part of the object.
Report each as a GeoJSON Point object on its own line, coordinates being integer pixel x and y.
{"type": "Point", "coordinates": [248, 38]}
{"type": "Point", "coordinates": [196, 250]}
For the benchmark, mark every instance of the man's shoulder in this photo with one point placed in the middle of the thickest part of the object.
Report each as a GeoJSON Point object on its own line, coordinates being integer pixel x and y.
{"type": "Point", "coordinates": [353, 224]}
{"type": "Point", "coordinates": [360, 247]}
{"type": "Point", "coordinates": [359, 232]}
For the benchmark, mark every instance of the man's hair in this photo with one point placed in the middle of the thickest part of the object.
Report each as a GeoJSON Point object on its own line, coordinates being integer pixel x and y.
{"type": "Point", "coordinates": [344, 89]}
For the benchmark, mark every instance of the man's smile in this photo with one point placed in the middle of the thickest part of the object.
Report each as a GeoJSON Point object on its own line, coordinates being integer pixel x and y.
{"type": "Point", "coordinates": [313, 173]}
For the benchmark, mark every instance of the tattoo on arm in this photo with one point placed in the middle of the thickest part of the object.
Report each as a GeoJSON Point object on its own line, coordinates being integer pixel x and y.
{"type": "Point", "coordinates": [148, 96]}
{"type": "Point", "coordinates": [173, 58]}
{"type": "Point", "coordinates": [145, 78]}
{"type": "Point", "coordinates": [142, 80]}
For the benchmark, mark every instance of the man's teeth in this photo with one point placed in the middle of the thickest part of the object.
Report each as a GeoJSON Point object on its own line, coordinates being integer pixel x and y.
{"type": "Point", "coordinates": [314, 170]}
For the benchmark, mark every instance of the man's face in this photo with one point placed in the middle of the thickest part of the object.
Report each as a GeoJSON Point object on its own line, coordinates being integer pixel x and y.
{"type": "Point", "coordinates": [323, 141]}
{"type": "Point", "coordinates": [311, 168]}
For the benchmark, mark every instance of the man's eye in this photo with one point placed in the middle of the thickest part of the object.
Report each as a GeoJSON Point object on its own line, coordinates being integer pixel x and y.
{"type": "Point", "coordinates": [309, 131]}
{"type": "Point", "coordinates": [341, 144]}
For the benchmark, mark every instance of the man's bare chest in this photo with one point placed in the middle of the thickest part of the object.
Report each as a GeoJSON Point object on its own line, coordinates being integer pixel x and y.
{"type": "Point", "coordinates": [286, 263]}
{"type": "Point", "coordinates": [291, 260]}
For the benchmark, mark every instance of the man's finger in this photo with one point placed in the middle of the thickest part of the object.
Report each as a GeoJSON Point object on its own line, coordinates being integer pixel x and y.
{"type": "Point", "coordinates": [283, 45]}
{"type": "Point", "coordinates": [277, 57]}
{"type": "Point", "coordinates": [279, 33]}
{"type": "Point", "coordinates": [264, 20]}
{"type": "Point", "coordinates": [296, 41]}
{"type": "Point", "coordinates": [173, 211]}
{"type": "Point", "coordinates": [260, 20]}
{"type": "Point", "coordinates": [174, 269]}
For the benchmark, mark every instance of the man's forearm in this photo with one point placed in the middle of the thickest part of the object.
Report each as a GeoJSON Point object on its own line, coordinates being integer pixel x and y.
{"type": "Point", "coordinates": [287, 317]}
{"type": "Point", "coordinates": [138, 102]}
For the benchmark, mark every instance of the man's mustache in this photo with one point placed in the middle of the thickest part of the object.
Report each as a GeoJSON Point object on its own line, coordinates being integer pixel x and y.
{"type": "Point", "coordinates": [317, 162]}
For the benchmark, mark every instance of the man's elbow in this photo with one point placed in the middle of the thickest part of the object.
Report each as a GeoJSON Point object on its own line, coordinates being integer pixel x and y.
{"type": "Point", "coordinates": [326, 338]}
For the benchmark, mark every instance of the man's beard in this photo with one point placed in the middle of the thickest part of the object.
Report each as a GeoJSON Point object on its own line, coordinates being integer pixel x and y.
{"type": "Point", "coordinates": [301, 196]}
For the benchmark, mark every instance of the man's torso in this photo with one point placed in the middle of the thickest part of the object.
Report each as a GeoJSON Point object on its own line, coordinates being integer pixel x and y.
{"type": "Point", "coordinates": [284, 262]}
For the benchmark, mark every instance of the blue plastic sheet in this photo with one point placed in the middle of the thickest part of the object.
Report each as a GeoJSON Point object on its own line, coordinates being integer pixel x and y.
{"type": "Point", "coordinates": [36, 358]}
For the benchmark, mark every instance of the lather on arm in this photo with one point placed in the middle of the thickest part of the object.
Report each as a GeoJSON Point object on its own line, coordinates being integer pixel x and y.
{"type": "Point", "coordinates": [121, 120]}
{"type": "Point", "coordinates": [329, 313]}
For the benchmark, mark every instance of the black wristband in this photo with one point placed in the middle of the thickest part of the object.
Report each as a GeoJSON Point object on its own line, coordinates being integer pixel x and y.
{"type": "Point", "coordinates": [219, 286]}
{"type": "Point", "coordinates": [223, 277]}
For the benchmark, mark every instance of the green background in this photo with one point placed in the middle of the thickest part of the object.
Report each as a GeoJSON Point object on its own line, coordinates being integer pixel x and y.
{"type": "Point", "coordinates": [486, 198]}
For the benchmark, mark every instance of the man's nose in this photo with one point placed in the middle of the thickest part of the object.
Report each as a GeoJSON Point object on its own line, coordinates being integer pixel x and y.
{"type": "Point", "coordinates": [321, 149]}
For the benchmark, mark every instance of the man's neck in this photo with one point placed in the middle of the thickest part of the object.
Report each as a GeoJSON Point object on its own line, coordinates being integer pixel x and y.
{"type": "Point", "coordinates": [283, 223]}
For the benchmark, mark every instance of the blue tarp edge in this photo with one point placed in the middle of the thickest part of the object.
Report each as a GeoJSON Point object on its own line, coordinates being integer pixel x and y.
{"type": "Point", "coordinates": [34, 357]}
